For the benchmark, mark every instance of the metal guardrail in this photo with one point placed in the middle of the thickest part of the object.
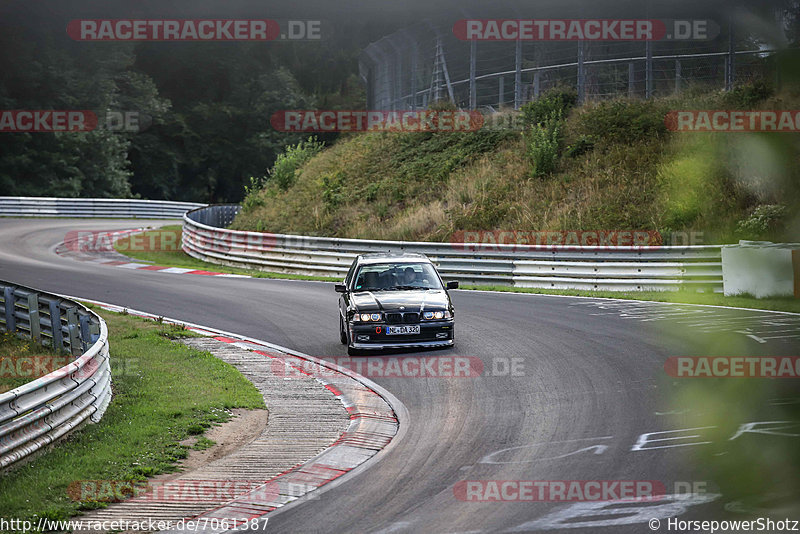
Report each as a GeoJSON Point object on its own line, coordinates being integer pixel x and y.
{"type": "Point", "coordinates": [40, 412]}
{"type": "Point", "coordinates": [538, 266]}
{"type": "Point", "coordinates": [94, 207]}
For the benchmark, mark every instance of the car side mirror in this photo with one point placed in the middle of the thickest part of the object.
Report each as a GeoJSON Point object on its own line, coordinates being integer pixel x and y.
{"type": "Point", "coordinates": [340, 288]}
{"type": "Point", "coordinates": [452, 285]}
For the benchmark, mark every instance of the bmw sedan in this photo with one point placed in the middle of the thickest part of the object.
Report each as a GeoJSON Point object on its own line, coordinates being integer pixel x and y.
{"type": "Point", "coordinates": [392, 301]}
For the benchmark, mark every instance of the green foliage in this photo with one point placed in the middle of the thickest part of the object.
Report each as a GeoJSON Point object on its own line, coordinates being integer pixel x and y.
{"type": "Point", "coordinates": [581, 146]}
{"type": "Point", "coordinates": [332, 188]}
{"type": "Point", "coordinates": [557, 101]}
{"type": "Point", "coordinates": [286, 165]}
{"type": "Point", "coordinates": [623, 121]}
{"type": "Point", "coordinates": [749, 95]}
{"type": "Point", "coordinates": [543, 141]}
{"type": "Point", "coordinates": [766, 221]}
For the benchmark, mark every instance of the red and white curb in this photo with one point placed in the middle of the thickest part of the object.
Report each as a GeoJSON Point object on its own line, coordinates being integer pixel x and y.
{"type": "Point", "coordinates": [378, 420]}
{"type": "Point", "coordinates": [105, 254]}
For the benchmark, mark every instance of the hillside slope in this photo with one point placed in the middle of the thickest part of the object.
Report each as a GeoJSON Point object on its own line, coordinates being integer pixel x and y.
{"type": "Point", "coordinates": [603, 166]}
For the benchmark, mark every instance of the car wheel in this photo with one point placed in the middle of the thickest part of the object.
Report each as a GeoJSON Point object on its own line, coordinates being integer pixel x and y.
{"type": "Point", "coordinates": [353, 352]}
{"type": "Point", "coordinates": [342, 332]}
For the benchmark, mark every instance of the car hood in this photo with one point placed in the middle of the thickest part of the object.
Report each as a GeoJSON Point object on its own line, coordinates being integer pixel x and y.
{"type": "Point", "coordinates": [412, 301]}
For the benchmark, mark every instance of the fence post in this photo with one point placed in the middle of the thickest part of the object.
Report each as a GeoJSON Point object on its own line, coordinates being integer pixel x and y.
{"type": "Point", "coordinates": [518, 75]}
{"type": "Point", "coordinates": [648, 70]}
{"type": "Point", "coordinates": [414, 53]}
{"type": "Point", "coordinates": [630, 80]}
{"type": "Point", "coordinates": [677, 76]}
{"type": "Point", "coordinates": [729, 59]}
{"type": "Point", "coordinates": [536, 85]}
{"type": "Point", "coordinates": [581, 73]}
{"type": "Point", "coordinates": [473, 96]}
{"type": "Point", "coordinates": [398, 72]}
{"type": "Point", "coordinates": [501, 90]}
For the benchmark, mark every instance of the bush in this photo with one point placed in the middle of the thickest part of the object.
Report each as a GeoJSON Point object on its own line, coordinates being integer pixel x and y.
{"type": "Point", "coordinates": [543, 143]}
{"type": "Point", "coordinates": [558, 101]}
{"type": "Point", "coordinates": [282, 173]}
{"type": "Point", "coordinates": [749, 95]}
{"type": "Point", "coordinates": [622, 121]}
{"type": "Point", "coordinates": [766, 221]}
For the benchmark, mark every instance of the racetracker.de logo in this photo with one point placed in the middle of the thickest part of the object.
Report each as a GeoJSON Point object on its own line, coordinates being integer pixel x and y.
{"type": "Point", "coordinates": [511, 240]}
{"type": "Point", "coordinates": [89, 241]}
{"type": "Point", "coordinates": [376, 121]}
{"type": "Point", "coordinates": [401, 367]}
{"type": "Point", "coordinates": [173, 30]}
{"type": "Point", "coordinates": [558, 490]}
{"type": "Point", "coordinates": [733, 366]}
{"type": "Point", "coordinates": [722, 120]}
{"type": "Point", "coordinates": [47, 120]}
{"type": "Point", "coordinates": [583, 30]}
{"type": "Point", "coordinates": [183, 491]}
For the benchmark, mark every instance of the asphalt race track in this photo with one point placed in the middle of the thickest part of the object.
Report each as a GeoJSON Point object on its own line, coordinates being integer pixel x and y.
{"type": "Point", "coordinates": [588, 384]}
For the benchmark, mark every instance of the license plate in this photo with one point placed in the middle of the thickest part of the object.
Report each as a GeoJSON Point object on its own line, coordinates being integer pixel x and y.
{"type": "Point", "coordinates": [394, 330]}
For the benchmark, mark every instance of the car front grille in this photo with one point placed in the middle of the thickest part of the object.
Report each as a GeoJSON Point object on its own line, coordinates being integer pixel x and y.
{"type": "Point", "coordinates": [397, 318]}
{"type": "Point", "coordinates": [411, 317]}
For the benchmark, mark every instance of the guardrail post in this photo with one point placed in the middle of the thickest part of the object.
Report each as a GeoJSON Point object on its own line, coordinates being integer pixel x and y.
{"type": "Point", "coordinates": [74, 332]}
{"type": "Point", "coordinates": [55, 325]}
{"type": "Point", "coordinates": [11, 322]}
{"type": "Point", "coordinates": [83, 321]}
{"type": "Point", "coordinates": [33, 316]}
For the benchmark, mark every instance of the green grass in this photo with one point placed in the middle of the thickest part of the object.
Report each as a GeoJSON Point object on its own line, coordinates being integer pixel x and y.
{"type": "Point", "coordinates": [157, 403]}
{"type": "Point", "coordinates": [12, 374]}
{"type": "Point", "coordinates": [178, 258]}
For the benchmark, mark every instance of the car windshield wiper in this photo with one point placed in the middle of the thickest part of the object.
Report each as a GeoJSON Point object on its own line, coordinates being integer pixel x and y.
{"type": "Point", "coordinates": [410, 287]}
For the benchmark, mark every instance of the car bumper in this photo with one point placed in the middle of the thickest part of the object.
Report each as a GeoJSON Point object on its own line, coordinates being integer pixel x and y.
{"type": "Point", "coordinates": [432, 334]}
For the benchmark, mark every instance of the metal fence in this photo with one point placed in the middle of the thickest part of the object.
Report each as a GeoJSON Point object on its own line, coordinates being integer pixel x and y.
{"type": "Point", "coordinates": [416, 66]}
{"type": "Point", "coordinates": [40, 412]}
{"type": "Point", "coordinates": [541, 266]}
{"type": "Point", "coordinates": [94, 207]}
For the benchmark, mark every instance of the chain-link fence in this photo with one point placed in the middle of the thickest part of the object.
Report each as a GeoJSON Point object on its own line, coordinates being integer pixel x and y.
{"type": "Point", "coordinates": [414, 67]}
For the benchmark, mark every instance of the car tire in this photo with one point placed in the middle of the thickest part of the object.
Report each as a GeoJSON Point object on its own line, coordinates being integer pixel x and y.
{"type": "Point", "coordinates": [342, 332]}
{"type": "Point", "coordinates": [352, 351]}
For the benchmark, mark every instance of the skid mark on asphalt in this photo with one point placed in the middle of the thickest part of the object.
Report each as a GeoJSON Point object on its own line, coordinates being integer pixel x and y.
{"type": "Point", "coordinates": [758, 326]}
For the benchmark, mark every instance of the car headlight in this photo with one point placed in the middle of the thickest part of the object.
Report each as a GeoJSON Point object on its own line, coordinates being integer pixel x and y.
{"type": "Point", "coordinates": [366, 317]}
{"type": "Point", "coordinates": [436, 315]}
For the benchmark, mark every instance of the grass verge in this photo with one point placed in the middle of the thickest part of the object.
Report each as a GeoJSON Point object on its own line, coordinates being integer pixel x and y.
{"type": "Point", "coordinates": [155, 406]}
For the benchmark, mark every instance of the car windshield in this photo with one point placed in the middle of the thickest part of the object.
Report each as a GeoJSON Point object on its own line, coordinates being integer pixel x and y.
{"type": "Point", "coordinates": [396, 277]}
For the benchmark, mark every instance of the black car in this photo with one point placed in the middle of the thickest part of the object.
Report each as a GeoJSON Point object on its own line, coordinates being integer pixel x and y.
{"type": "Point", "coordinates": [394, 301]}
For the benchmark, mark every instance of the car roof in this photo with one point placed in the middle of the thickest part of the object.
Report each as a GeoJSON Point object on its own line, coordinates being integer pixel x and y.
{"type": "Point", "coordinates": [395, 257]}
